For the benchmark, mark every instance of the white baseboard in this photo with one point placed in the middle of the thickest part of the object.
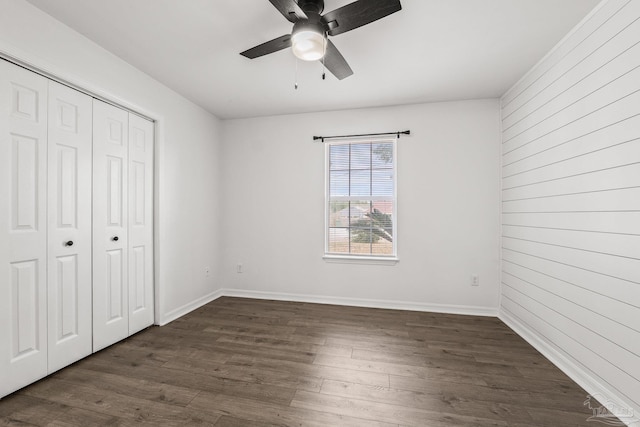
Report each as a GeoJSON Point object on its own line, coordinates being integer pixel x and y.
{"type": "Point", "coordinates": [189, 307]}
{"type": "Point", "coordinates": [316, 299]}
{"type": "Point", "coordinates": [612, 401]}
{"type": "Point", "coordinates": [370, 303]}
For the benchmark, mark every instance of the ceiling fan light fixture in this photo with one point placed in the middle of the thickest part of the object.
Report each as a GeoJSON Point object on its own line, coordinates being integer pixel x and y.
{"type": "Point", "coordinates": [308, 42]}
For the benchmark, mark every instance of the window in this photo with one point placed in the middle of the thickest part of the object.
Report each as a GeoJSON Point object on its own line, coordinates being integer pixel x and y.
{"type": "Point", "coordinates": [361, 198]}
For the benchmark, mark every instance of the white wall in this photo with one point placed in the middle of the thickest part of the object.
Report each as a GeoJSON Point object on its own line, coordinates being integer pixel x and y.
{"type": "Point", "coordinates": [187, 146]}
{"type": "Point", "coordinates": [448, 206]}
{"type": "Point", "coordinates": [571, 204]}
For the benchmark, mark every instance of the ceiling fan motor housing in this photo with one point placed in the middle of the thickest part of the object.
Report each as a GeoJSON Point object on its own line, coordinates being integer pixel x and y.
{"type": "Point", "coordinates": [311, 6]}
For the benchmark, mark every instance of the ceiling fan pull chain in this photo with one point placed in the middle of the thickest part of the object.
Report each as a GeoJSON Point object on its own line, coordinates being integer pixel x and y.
{"type": "Point", "coordinates": [296, 76]}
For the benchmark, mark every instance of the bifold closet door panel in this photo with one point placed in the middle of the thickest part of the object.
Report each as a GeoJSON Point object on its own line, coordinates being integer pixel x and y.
{"type": "Point", "coordinates": [23, 227]}
{"type": "Point", "coordinates": [110, 220]}
{"type": "Point", "coordinates": [69, 226]}
{"type": "Point", "coordinates": [141, 302]}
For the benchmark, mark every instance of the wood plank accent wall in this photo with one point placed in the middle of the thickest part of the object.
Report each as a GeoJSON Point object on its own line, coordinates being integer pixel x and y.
{"type": "Point", "coordinates": [571, 204]}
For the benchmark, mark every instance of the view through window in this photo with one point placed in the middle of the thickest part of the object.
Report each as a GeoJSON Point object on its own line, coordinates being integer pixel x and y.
{"type": "Point", "coordinates": [361, 199]}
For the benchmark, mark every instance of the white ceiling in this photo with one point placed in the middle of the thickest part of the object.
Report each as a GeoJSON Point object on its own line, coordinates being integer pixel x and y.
{"type": "Point", "coordinates": [432, 50]}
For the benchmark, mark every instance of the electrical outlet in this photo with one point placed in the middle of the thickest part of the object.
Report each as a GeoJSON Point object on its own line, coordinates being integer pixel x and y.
{"type": "Point", "coordinates": [207, 272]}
{"type": "Point", "coordinates": [239, 268]}
{"type": "Point", "coordinates": [475, 280]}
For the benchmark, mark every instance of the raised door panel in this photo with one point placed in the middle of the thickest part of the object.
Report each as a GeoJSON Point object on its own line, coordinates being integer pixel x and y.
{"type": "Point", "coordinates": [115, 284]}
{"type": "Point", "coordinates": [23, 239]}
{"type": "Point", "coordinates": [24, 296]}
{"type": "Point", "coordinates": [141, 309]}
{"type": "Point", "coordinates": [110, 220]}
{"type": "Point", "coordinates": [24, 210]}
{"type": "Point", "coordinates": [69, 226]}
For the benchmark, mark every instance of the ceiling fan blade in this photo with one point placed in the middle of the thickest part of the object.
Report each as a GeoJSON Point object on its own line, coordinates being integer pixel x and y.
{"type": "Point", "coordinates": [289, 9]}
{"type": "Point", "coordinates": [359, 13]}
{"type": "Point", "coordinates": [335, 62]}
{"type": "Point", "coordinates": [266, 48]}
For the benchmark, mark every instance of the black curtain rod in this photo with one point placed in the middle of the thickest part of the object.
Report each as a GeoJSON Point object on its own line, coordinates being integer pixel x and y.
{"type": "Point", "coordinates": [397, 133]}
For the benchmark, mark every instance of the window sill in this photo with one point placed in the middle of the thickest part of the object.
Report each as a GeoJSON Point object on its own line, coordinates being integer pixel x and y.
{"type": "Point", "coordinates": [360, 260]}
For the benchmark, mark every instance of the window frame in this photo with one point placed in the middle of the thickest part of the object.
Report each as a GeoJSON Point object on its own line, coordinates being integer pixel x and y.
{"type": "Point", "coordinates": [360, 258]}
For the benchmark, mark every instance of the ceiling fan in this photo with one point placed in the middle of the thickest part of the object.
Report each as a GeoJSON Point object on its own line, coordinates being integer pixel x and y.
{"type": "Point", "coordinates": [309, 37]}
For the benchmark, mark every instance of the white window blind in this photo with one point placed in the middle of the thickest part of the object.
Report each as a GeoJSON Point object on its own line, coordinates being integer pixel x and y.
{"type": "Point", "coordinates": [361, 198]}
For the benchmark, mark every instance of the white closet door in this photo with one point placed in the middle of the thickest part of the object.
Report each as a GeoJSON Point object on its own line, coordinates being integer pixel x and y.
{"type": "Point", "coordinates": [23, 227]}
{"type": "Point", "coordinates": [69, 227]}
{"type": "Point", "coordinates": [140, 223]}
{"type": "Point", "coordinates": [110, 212]}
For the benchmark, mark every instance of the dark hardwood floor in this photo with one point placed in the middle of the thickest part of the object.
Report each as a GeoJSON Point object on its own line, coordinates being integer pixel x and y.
{"type": "Point", "coordinates": [246, 363]}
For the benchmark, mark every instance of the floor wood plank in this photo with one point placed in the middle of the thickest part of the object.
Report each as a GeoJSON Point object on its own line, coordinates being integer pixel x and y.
{"type": "Point", "coordinates": [246, 363]}
{"type": "Point", "coordinates": [264, 412]}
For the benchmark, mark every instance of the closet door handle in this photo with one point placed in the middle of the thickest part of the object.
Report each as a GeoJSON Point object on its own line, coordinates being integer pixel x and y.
{"type": "Point", "coordinates": [69, 243]}
{"type": "Point", "coordinates": [114, 238]}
